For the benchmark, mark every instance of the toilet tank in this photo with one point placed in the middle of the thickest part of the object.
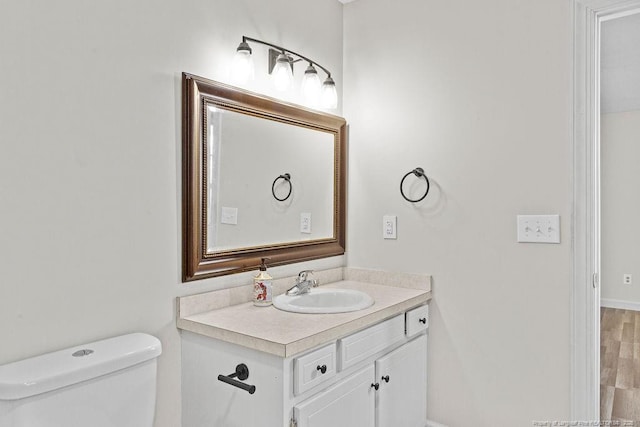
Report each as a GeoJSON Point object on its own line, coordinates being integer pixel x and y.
{"type": "Point", "coordinates": [108, 383]}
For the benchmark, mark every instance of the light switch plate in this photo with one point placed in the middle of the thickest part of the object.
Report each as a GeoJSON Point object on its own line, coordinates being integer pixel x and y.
{"type": "Point", "coordinates": [538, 228]}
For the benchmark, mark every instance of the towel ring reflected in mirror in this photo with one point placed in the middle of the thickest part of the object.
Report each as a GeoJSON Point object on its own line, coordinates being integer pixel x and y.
{"type": "Point", "coordinates": [287, 178]}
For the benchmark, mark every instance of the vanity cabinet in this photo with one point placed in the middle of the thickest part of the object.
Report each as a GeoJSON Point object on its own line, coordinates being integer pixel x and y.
{"type": "Point", "coordinates": [376, 377]}
{"type": "Point", "coordinates": [402, 394]}
{"type": "Point", "coordinates": [390, 392]}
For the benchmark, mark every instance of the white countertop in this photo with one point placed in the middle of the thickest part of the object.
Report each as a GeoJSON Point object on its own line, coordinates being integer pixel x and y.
{"type": "Point", "coordinates": [286, 334]}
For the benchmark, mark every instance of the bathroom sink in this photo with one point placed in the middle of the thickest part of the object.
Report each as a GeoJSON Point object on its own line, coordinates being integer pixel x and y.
{"type": "Point", "coordinates": [324, 300]}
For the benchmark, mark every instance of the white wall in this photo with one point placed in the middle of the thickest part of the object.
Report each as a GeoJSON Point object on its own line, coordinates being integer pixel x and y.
{"type": "Point", "coordinates": [479, 95]}
{"type": "Point", "coordinates": [620, 64]}
{"type": "Point", "coordinates": [620, 153]}
{"type": "Point", "coordinates": [90, 105]}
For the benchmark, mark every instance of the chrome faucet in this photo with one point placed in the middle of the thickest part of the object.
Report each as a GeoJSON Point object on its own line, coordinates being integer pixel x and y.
{"type": "Point", "coordinates": [303, 284]}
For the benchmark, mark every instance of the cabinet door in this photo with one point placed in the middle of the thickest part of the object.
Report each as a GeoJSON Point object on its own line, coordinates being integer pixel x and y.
{"type": "Point", "coordinates": [349, 403]}
{"type": "Point", "coordinates": [402, 396]}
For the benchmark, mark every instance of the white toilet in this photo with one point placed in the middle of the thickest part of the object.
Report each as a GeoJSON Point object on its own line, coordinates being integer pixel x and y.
{"type": "Point", "coordinates": [109, 383]}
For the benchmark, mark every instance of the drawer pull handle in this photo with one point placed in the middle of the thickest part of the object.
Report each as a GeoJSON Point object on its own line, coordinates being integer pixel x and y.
{"type": "Point", "coordinates": [423, 320]}
{"type": "Point", "coordinates": [385, 378]}
{"type": "Point", "coordinates": [322, 369]}
{"type": "Point", "coordinates": [375, 385]}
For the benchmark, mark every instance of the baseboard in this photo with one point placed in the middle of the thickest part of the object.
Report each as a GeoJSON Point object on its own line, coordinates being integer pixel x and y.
{"type": "Point", "coordinates": [434, 424]}
{"type": "Point", "coordinates": [616, 303]}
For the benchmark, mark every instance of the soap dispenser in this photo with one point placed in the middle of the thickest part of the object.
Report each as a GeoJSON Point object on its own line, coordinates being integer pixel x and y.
{"type": "Point", "coordinates": [262, 293]}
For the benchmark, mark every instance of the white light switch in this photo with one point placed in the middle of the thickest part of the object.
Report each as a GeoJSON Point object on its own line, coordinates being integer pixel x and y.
{"type": "Point", "coordinates": [229, 216]}
{"type": "Point", "coordinates": [539, 228]}
{"type": "Point", "coordinates": [389, 223]}
{"type": "Point", "coordinates": [305, 223]}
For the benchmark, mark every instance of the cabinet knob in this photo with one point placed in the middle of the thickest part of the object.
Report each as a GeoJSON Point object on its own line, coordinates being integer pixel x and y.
{"type": "Point", "coordinates": [385, 378]}
{"type": "Point", "coordinates": [375, 385]}
{"type": "Point", "coordinates": [423, 320]}
{"type": "Point", "coordinates": [322, 369]}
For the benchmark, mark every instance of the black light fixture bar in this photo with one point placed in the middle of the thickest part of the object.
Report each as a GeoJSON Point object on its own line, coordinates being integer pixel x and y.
{"type": "Point", "coordinates": [285, 51]}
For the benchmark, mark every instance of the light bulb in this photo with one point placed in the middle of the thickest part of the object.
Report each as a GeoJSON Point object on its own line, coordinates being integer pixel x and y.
{"type": "Point", "coordinates": [282, 74]}
{"type": "Point", "coordinates": [329, 94]}
{"type": "Point", "coordinates": [242, 69]}
{"type": "Point", "coordinates": [311, 86]}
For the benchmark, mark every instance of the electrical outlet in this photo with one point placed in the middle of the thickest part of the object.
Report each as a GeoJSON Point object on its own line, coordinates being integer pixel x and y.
{"type": "Point", "coordinates": [305, 223]}
{"type": "Point", "coordinates": [389, 224]}
{"type": "Point", "coordinates": [626, 279]}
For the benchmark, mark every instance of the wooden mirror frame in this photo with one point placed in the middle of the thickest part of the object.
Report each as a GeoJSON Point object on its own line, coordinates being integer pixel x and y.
{"type": "Point", "coordinates": [197, 93]}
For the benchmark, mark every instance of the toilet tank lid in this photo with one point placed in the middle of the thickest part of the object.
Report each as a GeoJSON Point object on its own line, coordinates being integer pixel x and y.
{"type": "Point", "coordinates": [51, 371]}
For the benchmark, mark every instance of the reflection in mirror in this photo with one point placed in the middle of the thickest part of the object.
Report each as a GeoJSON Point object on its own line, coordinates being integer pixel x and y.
{"type": "Point", "coordinates": [261, 178]}
{"type": "Point", "coordinates": [246, 208]}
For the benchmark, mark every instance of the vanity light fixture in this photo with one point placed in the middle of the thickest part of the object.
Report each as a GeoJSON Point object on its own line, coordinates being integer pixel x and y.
{"type": "Point", "coordinates": [282, 73]}
{"type": "Point", "coordinates": [243, 64]}
{"type": "Point", "coordinates": [281, 62]}
{"type": "Point", "coordinates": [311, 86]}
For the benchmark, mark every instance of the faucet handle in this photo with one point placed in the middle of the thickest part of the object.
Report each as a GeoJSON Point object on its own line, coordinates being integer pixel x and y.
{"type": "Point", "coordinates": [302, 276]}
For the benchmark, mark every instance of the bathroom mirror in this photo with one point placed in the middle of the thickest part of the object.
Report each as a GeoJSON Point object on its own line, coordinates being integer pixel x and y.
{"type": "Point", "coordinates": [261, 179]}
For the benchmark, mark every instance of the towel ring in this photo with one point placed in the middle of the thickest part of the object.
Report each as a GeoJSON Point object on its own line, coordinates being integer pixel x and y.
{"type": "Point", "coordinates": [287, 178]}
{"type": "Point", "coordinates": [419, 172]}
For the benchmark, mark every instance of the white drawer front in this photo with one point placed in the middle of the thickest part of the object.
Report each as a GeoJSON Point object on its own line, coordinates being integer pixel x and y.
{"type": "Point", "coordinates": [417, 320]}
{"type": "Point", "coordinates": [363, 344]}
{"type": "Point", "coordinates": [314, 368]}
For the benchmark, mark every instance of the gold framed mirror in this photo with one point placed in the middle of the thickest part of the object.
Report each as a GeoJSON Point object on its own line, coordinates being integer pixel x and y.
{"type": "Point", "coordinates": [262, 178]}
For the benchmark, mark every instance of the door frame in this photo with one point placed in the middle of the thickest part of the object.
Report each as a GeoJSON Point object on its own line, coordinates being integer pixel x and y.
{"type": "Point", "coordinates": [585, 304]}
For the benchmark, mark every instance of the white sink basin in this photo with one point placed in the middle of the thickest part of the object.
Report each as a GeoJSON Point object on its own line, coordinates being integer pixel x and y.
{"type": "Point", "coordinates": [324, 300]}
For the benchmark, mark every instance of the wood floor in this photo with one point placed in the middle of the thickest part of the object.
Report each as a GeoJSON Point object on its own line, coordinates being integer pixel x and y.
{"type": "Point", "coordinates": [620, 366]}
